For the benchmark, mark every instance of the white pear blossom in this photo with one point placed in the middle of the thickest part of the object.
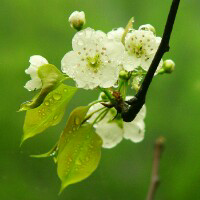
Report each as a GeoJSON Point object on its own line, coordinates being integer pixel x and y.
{"type": "Point", "coordinates": [113, 131]}
{"type": "Point", "coordinates": [94, 60]}
{"type": "Point", "coordinates": [141, 46]}
{"type": "Point", "coordinates": [35, 62]}
{"type": "Point", "coordinates": [116, 34]}
{"type": "Point", "coordinates": [77, 20]}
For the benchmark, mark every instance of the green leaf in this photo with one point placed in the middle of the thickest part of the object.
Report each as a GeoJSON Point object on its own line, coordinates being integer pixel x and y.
{"type": "Point", "coordinates": [51, 78]}
{"type": "Point", "coordinates": [79, 149]}
{"type": "Point", "coordinates": [49, 113]}
{"type": "Point", "coordinates": [80, 156]}
{"type": "Point", "coordinates": [74, 122]}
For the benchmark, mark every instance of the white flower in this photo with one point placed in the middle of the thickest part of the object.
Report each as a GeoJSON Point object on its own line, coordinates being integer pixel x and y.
{"type": "Point", "coordinates": [94, 60]}
{"type": "Point", "coordinates": [35, 62]}
{"type": "Point", "coordinates": [116, 34]}
{"type": "Point", "coordinates": [77, 20]}
{"type": "Point", "coordinates": [113, 131]}
{"type": "Point", "coordinates": [141, 48]}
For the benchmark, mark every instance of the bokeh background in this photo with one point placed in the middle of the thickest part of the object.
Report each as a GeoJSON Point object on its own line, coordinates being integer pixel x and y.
{"type": "Point", "coordinates": [29, 27]}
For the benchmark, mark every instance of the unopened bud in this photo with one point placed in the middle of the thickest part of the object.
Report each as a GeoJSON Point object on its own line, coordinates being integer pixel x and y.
{"type": "Point", "coordinates": [148, 27]}
{"type": "Point", "coordinates": [168, 66]}
{"type": "Point", "coordinates": [123, 75]}
{"type": "Point", "coordinates": [77, 20]}
{"type": "Point", "coordinates": [103, 96]}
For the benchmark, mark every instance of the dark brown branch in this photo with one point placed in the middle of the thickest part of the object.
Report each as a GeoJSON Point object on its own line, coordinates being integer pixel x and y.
{"type": "Point", "coordinates": [129, 113]}
{"type": "Point", "coordinates": [155, 179]}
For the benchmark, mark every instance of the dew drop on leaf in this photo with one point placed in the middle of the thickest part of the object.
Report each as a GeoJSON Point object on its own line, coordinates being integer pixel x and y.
{"type": "Point", "coordinates": [46, 103]}
{"type": "Point", "coordinates": [57, 96]}
{"type": "Point", "coordinates": [77, 121]}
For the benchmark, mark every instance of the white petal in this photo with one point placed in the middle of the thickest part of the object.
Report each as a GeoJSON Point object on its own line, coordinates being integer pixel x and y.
{"type": "Point", "coordinates": [134, 131]}
{"type": "Point", "coordinates": [87, 38]}
{"type": "Point", "coordinates": [110, 133]}
{"type": "Point", "coordinates": [70, 63]}
{"type": "Point", "coordinates": [130, 62]}
{"type": "Point", "coordinates": [116, 34]}
{"type": "Point", "coordinates": [38, 60]}
{"type": "Point", "coordinates": [33, 84]}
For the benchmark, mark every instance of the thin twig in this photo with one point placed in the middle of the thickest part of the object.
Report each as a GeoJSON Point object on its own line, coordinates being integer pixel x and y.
{"type": "Point", "coordinates": [128, 114]}
{"type": "Point", "coordinates": [155, 179]}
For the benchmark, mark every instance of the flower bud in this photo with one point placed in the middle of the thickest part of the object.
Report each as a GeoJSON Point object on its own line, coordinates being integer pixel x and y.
{"type": "Point", "coordinates": [77, 20]}
{"type": "Point", "coordinates": [168, 66]}
{"type": "Point", "coordinates": [103, 96]}
{"type": "Point", "coordinates": [123, 75]}
{"type": "Point", "coordinates": [148, 27]}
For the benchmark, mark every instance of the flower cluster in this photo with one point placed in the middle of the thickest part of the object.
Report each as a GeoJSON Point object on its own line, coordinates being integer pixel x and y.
{"type": "Point", "coordinates": [108, 62]}
{"type": "Point", "coordinates": [112, 129]}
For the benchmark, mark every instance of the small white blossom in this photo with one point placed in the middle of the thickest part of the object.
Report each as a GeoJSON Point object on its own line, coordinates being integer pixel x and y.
{"type": "Point", "coordinates": [94, 60]}
{"type": "Point", "coordinates": [35, 62]}
{"type": "Point", "coordinates": [77, 20]}
{"type": "Point", "coordinates": [141, 48]}
{"type": "Point", "coordinates": [116, 34]}
{"type": "Point", "coordinates": [113, 131]}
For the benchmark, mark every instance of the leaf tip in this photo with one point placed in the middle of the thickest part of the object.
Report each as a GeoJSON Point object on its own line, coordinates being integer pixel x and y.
{"type": "Point", "coordinates": [62, 188]}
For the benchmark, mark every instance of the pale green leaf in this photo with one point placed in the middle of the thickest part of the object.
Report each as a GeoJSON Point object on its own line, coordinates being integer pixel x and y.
{"type": "Point", "coordinates": [74, 122]}
{"type": "Point", "coordinates": [80, 155]}
{"type": "Point", "coordinates": [51, 78]}
{"type": "Point", "coordinates": [79, 149]}
{"type": "Point", "coordinates": [49, 113]}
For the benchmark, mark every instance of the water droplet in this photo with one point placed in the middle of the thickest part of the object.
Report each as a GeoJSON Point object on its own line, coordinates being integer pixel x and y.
{"type": "Point", "coordinates": [87, 159]}
{"type": "Point", "coordinates": [53, 153]}
{"type": "Point", "coordinates": [55, 117]}
{"type": "Point", "coordinates": [74, 128]}
{"type": "Point", "coordinates": [57, 96]}
{"type": "Point", "coordinates": [65, 90]}
{"type": "Point", "coordinates": [43, 114]}
{"type": "Point", "coordinates": [51, 100]}
{"type": "Point", "coordinates": [91, 146]}
{"type": "Point", "coordinates": [77, 121]}
{"type": "Point", "coordinates": [46, 103]}
{"type": "Point", "coordinates": [79, 162]}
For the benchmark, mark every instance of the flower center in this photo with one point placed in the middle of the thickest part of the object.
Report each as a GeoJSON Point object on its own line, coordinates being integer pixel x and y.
{"type": "Point", "coordinates": [138, 50]}
{"type": "Point", "coordinates": [94, 62]}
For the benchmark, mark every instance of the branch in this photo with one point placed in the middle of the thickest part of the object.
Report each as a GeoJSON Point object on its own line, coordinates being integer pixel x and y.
{"type": "Point", "coordinates": [155, 180]}
{"type": "Point", "coordinates": [128, 114]}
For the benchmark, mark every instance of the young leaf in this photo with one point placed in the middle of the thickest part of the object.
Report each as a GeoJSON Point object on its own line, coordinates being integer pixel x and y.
{"type": "Point", "coordinates": [51, 78]}
{"type": "Point", "coordinates": [80, 155]}
{"type": "Point", "coordinates": [74, 122]}
{"type": "Point", "coordinates": [127, 28]}
{"type": "Point", "coordinates": [49, 113]}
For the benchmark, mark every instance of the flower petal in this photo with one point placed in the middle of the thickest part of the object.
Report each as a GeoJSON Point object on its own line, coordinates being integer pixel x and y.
{"type": "Point", "coordinates": [134, 131]}
{"type": "Point", "coordinates": [110, 133]}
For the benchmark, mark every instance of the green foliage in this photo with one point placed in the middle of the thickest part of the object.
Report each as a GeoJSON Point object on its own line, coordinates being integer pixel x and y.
{"type": "Point", "coordinates": [49, 113]}
{"type": "Point", "coordinates": [51, 77]}
{"type": "Point", "coordinates": [79, 149]}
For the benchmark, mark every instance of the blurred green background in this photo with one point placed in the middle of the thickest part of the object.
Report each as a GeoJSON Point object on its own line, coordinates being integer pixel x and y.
{"type": "Point", "coordinates": [29, 27]}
